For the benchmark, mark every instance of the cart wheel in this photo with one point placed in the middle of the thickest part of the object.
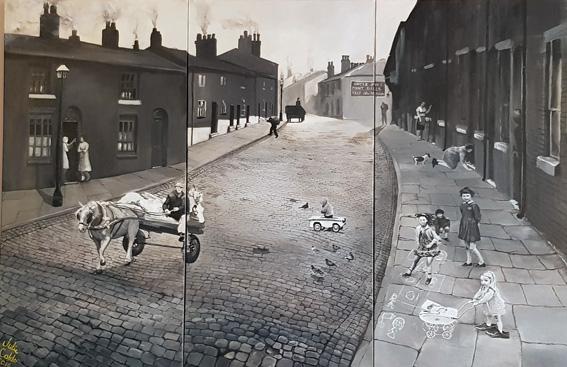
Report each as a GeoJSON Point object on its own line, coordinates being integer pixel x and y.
{"type": "Point", "coordinates": [192, 250]}
{"type": "Point", "coordinates": [317, 226]}
{"type": "Point", "coordinates": [336, 227]}
{"type": "Point", "coordinates": [447, 335]}
{"type": "Point", "coordinates": [138, 245]}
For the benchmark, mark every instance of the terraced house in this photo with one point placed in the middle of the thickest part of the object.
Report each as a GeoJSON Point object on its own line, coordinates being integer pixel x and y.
{"type": "Point", "coordinates": [492, 71]}
{"type": "Point", "coordinates": [129, 104]}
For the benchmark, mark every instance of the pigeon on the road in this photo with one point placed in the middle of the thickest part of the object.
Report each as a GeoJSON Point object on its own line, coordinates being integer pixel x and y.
{"type": "Point", "coordinates": [336, 248]}
{"type": "Point", "coordinates": [350, 256]}
{"type": "Point", "coordinates": [314, 249]}
{"type": "Point", "coordinates": [330, 263]}
{"type": "Point", "coordinates": [317, 272]}
{"type": "Point", "coordinates": [305, 206]}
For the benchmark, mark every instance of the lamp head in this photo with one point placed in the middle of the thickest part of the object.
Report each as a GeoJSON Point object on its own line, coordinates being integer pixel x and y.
{"type": "Point", "coordinates": [62, 72]}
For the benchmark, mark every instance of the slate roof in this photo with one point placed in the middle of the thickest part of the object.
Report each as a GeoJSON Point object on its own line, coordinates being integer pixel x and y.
{"type": "Point", "coordinates": [251, 62]}
{"type": "Point", "coordinates": [65, 49]}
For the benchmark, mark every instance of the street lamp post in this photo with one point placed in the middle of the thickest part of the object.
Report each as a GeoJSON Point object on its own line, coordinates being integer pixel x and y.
{"type": "Point", "coordinates": [62, 73]}
{"type": "Point", "coordinates": [281, 96]}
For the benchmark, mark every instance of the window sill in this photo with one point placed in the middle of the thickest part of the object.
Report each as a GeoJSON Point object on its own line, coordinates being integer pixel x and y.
{"type": "Point", "coordinates": [130, 102]}
{"type": "Point", "coordinates": [461, 130]}
{"type": "Point", "coordinates": [42, 162]}
{"type": "Point", "coordinates": [441, 123]}
{"type": "Point", "coordinates": [479, 135]}
{"type": "Point", "coordinates": [491, 183]}
{"type": "Point", "coordinates": [547, 164]}
{"type": "Point", "coordinates": [428, 66]}
{"type": "Point", "coordinates": [41, 96]}
{"type": "Point", "coordinates": [127, 155]}
{"type": "Point", "coordinates": [501, 146]}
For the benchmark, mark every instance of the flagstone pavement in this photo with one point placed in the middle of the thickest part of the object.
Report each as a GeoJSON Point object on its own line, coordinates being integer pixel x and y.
{"type": "Point", "coordinates": [531, 277]}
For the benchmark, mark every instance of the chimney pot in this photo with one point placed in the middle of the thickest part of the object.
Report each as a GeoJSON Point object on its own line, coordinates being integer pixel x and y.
{"type": "Point", "coordinates": [199, 36]}
{"type": "Point", "coordinates": [49, 22]}
{"type": "Point", "coordinates": [213, 36]}
{"type": "Point", "coordinates": [155, 38]}
{"type": "Point", "coordinates": [136, 46]}
{"type": "Point", "coordinates": [113, 25]}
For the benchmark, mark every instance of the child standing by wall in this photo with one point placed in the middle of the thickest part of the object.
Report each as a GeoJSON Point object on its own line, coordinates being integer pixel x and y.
{"type": "Point", "coordinates": [427, 246]}
{"type": "Point", "coordinates": [494, 307]}
{"type": "Point", "coordinates": [469, 231]}
{"type": "Point", "coordinates": [441, 224]}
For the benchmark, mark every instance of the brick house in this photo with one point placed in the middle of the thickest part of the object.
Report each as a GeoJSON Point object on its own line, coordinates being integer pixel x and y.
{"type": "Point", "coordinates": [493, 74]}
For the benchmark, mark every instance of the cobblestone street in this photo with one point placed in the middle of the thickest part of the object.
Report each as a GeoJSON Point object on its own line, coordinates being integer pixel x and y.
{"type": "Point", "coordinates": [252, 307]}
{"type": "Point", "coordinates": [251, 299]}
{"type": "Point", "coordinates": [61, 314]}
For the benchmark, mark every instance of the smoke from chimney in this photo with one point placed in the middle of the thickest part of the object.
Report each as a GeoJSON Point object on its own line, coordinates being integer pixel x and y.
{"type": "Point", "coordinates": [154, 16]}
{"type": "Point", "coordinates": [242, 23]}
{"type": "Point", "coordinates": [203, 9]}
{"type": "Point", "coordinates": [111, 11]}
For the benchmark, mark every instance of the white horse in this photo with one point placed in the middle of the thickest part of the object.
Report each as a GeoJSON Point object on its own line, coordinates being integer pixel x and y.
{"type": "Point", "coordinates": [106, 221]}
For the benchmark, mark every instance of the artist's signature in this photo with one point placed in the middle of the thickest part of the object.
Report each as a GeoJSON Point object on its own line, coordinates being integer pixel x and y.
{"type": "Point", "coordinates": [8, 353]}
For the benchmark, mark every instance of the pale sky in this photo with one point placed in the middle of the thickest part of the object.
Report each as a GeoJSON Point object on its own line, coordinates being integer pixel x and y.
{"type": "Point", "coordinates": [301, 33]}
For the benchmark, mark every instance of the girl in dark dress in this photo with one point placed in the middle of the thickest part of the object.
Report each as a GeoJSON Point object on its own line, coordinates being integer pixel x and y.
{"type": "Point", "coordinates": [469, 232]}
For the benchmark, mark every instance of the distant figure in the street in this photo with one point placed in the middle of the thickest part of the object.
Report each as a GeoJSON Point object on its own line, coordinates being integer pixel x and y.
{"type": "Point", "coordinates": [174, 207]}
{"type": "Point", "coordinates": [494, 306]}
{"type": "Point", "coordinates": [421, 115]}
{"type": "Point", "coordinates": [66, 146]}
{"type": "Point", "coordinates": [274, 122]}
{"type": "Point", "coordinates": [326, 208]}
{"type": "Point", "coordinates": [469, 232]}
{"type": "Point", "coordinates": [441, 224]}
{"type": "Point", "coordinates": [427, 246]}
{"type": "Point", "coordinates": [384, 108]}
{"type": "Point", "coordinates": [84, 160]}
{"type": "Point", "coordinates": [453, 155]}
{"type": "Point", "coordinates": [298, 102]}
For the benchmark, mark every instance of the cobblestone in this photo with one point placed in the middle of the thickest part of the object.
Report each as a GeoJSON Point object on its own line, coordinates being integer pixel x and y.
{"type": "Point", "coordinates": [270, 296]}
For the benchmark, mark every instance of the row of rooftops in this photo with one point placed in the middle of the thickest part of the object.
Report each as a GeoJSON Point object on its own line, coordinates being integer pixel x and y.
{"type": "Point", "coordinates": [244, 60]}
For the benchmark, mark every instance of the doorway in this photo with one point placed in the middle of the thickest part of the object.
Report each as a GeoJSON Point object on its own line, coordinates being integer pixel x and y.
{"type": "Point", "coordinates": [71, 129]}
{"type": "Point", "coordinates": [159, 138]}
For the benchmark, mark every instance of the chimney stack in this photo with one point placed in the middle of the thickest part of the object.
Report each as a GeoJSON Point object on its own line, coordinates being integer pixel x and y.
{"type": "Point", "coordinates": [155, 39]}
{"type": "Point", "coordinates": [256, 45]}
{"type": "Point", "coordinates": [206, 46]}
{"type": "Point", "coordinates": [136, 46]}
{"type": "Point", "coordinates": [245, 43]}
{"type": "Point", "coordinates": [49, 22]}
{"type": "Point", "coordinates": [74, 39]}
{"type": "Point", "coordinates": [110, 35]}
{"type": "Point", "coordinates": [330, 69]}
{"type": "Point", "coordinates": [345, 63]}
{"type": "Point", "coordinates": [369, 59]}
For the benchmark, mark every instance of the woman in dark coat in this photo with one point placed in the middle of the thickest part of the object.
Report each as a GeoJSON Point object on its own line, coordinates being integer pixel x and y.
{"type": "Point", "coordinates": [469, 231]}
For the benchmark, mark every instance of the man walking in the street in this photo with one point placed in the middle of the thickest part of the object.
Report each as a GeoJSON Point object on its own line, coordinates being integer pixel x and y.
{"type": "Point", "coordinates": [384, 108]}
{"type": "Point", "coordinates": [274, 128]}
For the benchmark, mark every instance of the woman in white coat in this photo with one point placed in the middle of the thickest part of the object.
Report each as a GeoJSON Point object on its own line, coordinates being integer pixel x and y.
{"type": "Point", "coordinates": [84, 161]}
{"type": "Point", "coordinates": [66, 146]}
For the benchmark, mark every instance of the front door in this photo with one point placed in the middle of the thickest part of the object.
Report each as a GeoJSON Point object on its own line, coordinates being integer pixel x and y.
{"type": "Point", "coordinates": [159, 138]}
{"type": "Point", "coordinates": [214, 118]}
{"type": "Point", "coordinates": [71, 123]}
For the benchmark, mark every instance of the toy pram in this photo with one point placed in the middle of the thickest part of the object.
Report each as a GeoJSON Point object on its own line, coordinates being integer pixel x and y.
{"type": "Point", "coordinates": [440, 320]}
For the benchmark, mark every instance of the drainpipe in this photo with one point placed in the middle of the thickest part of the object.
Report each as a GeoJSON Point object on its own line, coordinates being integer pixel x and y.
{"type": "Point", "coordinates": [192, 105]}
{"type": "Point", "coordinates": [523, 126]}
{"type": "Point", "coordinates": [446, 75]}
{"type": "Point", "coordinates": [485, 102]}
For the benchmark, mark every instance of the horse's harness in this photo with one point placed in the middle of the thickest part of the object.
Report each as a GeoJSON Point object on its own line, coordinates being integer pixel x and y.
{"type": "Point", "coordinates": [106, 221]}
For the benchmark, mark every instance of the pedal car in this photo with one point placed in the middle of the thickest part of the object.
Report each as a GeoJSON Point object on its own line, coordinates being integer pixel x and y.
{"type": "Point", "coordinates": [319, 223]}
